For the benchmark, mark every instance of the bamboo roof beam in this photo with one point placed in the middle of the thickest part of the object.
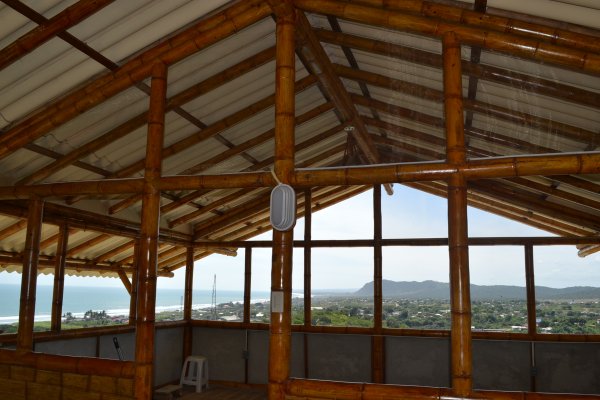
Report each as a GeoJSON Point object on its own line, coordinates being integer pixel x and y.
{"type": "Point", "coordinates": [59, 279]}
{"type": "Point", "coordinates": [584, 136]}
{"type": "Point", "coordinates": [126, 282]}
{"type": "Point", "coordinates": [588, 250]}
{"type": "Point", "coordinates": [80, 219]}
{"type": "Point", "coordinates": [12, 229]}
{"type": "Point", "coordinates": [485, 72]}
{"type": "Point", "coordinates": [115, 251]}
{"type": "Point", "coordinates": [481, 20]}
{"type": "Point", "coordinates": [199, 89]}
{"type": "Point", "coordinates": [199, 36]}
{"type": "Point", "coordinates": [88, 244]}
{"type": "Point", "coordinates": [528, 48]}
{"type": "Point", "coordinates": [311, 50]}
{"type": "Point", "coordinates": [62, 21]}
{"type": "Point", "coordinates": [131, 258]}
{"type": "Point", "coordinates": [577, 182]}
{"type": "Point", "coordinates": [531, 201]}
{"type": "Point", "coordinates": [208, 132]}
{"type": "Point", "coordinates": [491, 204]}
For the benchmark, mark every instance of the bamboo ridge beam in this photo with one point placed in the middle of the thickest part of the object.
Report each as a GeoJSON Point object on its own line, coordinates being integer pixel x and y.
{"type": "Point", "coordinates": [528, 48]}
{"type": "Point", "coordinates": [184, 44]}
{"type": "Point", "coordinates": [60, 22]}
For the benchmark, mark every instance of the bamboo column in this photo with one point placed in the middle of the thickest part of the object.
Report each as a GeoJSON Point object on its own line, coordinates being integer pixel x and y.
{"type": "Point", "coordinates": [187, 302]}
{"type": "Point", "coordinates": [460, 299]}
{"type": "Point", "coordinates": [247, 283]}
{"type": "Point", "coordinates": [307, 272]}
{"type": "Point", "coordinates": [531, 311]}
{"type": "Point", "coordinates": [281, 273]}
{"type": "Point", "coordinates": [134, 284]}
{"type": "Point", "coordinates": [59, 278]}
{"type": "Point", "coordinates": [148, 252]}
{"type": "Point", "coordinates": [31, 255]}
{"type": "Point", "coordinates": [377, 342]}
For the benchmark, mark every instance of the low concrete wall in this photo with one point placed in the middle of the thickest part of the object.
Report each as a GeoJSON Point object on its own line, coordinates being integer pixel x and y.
{"type": "Point", "coordinates": [417, 361]}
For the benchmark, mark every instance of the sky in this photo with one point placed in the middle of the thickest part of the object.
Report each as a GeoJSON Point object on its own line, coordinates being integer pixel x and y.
{"type": "Point", "coordinates": [407, 214]}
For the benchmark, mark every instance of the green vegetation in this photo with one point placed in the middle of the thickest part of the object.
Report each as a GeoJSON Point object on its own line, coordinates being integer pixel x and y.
{"type": "Point", "coordinates": [497, 315]}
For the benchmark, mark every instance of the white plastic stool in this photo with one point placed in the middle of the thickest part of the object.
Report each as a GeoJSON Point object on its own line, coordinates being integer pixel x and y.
{"type": "Point", "coordinates": [195, 372]}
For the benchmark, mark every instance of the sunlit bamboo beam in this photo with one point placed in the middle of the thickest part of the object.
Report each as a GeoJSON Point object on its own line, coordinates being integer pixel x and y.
{"type": "Point", "coordinates": [199, 36]}
{"type": "Point", "coordinates": [492, 74]}
{"type": "Point", "coordinates": [312, 51]}
{"type": "Point", "coordinates": [588, 250]}
{"type": "Point", "coordinates": [149, 234]}
{"type": "Point", "coordinates": [59, 278]}
{"type": "Point", "coordinates": [29, 273]}
{"type": "Point", "coordinates": [62, 21]}
{"type": "Point", "coordinates": [557, 192]}
{"type": "Point", "coordinates": [534, 49]}
{"type": "Point", "coordinates": [207, 85]}
{"type": "Point", "coordinates": [577, 183]}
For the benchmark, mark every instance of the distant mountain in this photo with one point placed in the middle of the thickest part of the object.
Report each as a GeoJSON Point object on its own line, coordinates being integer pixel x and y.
{"type": "Point", "coordinates": [440, 290]}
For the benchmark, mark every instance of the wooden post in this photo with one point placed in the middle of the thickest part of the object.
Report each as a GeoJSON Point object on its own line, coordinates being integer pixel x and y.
{"type": "Point", "coordinates": [187, 302]}
{"type": "Point", "coordinates": [281, 273]}
{"type": "Point", "coordinates": [247, 283]}
{"type": "Point", "coordinates": [460, 299]}
{"type": "Point", "coordinates": [134, 284]}
{"type": "Point", "coordinates": [148, 254]}
{"type": "Point", "coordinates": [31, 255]}
{"type": "Point", "coordinates": [307, 272]}
{"type": "Point", "coordinates": [377, 354]}
{"type": "Point", "coordinates": [531, 311]}
{"type": "Point", "coordinates": [59, 278]}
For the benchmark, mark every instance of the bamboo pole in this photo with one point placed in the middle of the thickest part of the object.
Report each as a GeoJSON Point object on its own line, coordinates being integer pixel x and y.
{"type": "Point", "coordinates": [531, 311]}
{"type": "Point", "coordinates": [460, 301]}
{"type": "Point", "coordinates": [180, 46]}
{"type": "Point", "coordinates": [12, 229]}
{"type": "Point", "coordinates": [62, 21]}
{"type": "Point", "coordinates": [281, 272]}
{"type": "Point", "coordinates": [377, 342]}
{"type": "Point", "coordinates": [125, 280]}
{"type": "Point", "coordinates": [247, 282]}
{"type": "Point", "coordinates": [528, 48]}
{"type": "Point", "coordinates": [148, 260]}
{"type": "Point", "coordinates": [307, 258]}
{"type": "Point", "coordinates": [29, 274]}
{"type": "Point", "coordinates": [133, 298]}
{"type": "Point", "coordinates": [59, 278]}
{"type": "Point", "coordinates": [188, 301]}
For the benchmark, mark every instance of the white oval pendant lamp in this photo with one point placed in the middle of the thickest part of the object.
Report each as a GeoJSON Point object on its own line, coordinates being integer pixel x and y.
{"type": "Point", "coordinates": [283, 207]}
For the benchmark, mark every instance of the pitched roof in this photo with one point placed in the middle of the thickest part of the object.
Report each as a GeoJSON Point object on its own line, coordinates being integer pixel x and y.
{"type": "Point", "coordinates": [74, 88]}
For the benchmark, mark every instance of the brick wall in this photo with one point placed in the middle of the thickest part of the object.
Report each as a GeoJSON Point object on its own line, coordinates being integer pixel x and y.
{"type": "Point", "coordinates": [33, 376]}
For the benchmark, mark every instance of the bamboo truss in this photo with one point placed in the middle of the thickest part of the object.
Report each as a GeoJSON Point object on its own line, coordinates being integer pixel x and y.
{"type": "Point", "coordinates": [449, 167]}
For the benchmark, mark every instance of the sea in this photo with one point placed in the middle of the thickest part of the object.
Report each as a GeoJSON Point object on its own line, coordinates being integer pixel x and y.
{"type": "Point", "coordinates": [114, 300]}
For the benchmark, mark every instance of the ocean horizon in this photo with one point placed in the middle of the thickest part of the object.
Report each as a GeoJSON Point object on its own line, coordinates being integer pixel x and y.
{"type": "Point", "coordinates": [114, 300]}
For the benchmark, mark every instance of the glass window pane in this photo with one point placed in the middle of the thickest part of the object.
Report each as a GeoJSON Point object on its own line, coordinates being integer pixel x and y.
{"type": "Point", "coordinates": [416, 292]}
{"type": "Point", "coordinates": [567, 290]}
{"type": "Point", "coordinates": [498, 288]}
{"type": "Point", "coordinates": [340, 279]}
{"type": "Point", "coordinates": [223, 276]}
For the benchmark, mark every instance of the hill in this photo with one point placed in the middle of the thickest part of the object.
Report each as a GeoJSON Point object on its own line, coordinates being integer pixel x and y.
{"type": "Point", "coordinates": [440, 290]}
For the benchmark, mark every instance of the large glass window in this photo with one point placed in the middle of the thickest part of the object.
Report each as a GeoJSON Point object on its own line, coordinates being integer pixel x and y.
{"type": "Point", "coordinates": [498, 288]}
{"type": "Point", "coordinates": [342, 287]}
{"type": "Point", "coordinates": [567, 291]}
{"type": "Point", "coordinates": [416, 293]}
{"type": "Point", "coordinates": [218, 290]}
